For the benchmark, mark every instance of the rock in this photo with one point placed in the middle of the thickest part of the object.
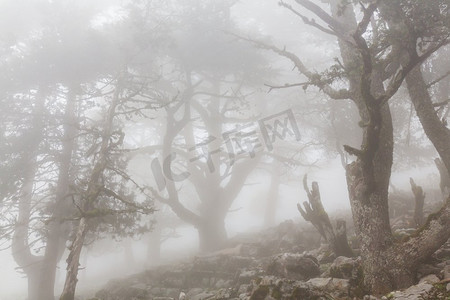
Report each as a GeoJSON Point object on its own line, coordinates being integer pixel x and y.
{"type": "Point", "coordinates": [182, 296]}
{"type": "Point", "coordinates": [223, 294]}
{"type": "Point", "coordinates": [193, 292]}
{"type": "Point", "coordinates": [294, 266]}
{"type": "Point", "coordinates": [431, 279]}
{"type": "Point", "coordinates": [319, 283]}
{"type": "Point", "coordinates": [202, 296]}
{"type": "Point", "coordinates": [246, 276]}
{"type": "Point", "coordinates": [344, 267]}
{"type": "Point", "coordinates": [415, 292]}
{"type": "Point", "coordinates": [222, 265]}
{"type": "Point", "coordinates": [220, 284]}
{"type": "Point", "coordinates": [446, 272]}
{"type": "Point", "coordinates": [351, 269]}
{"type": "Point", "coordinates": [447, 288]}
{"type": "Point", "coordinates": [369, 297]}
{"type": "Point", "coordinates": [117, 290]}
{"type": "Point", "coordinates": [334, 286]}
{"type": "Point", "coordinates": [427, 269]}
{"type": "Point", "coordinates": [244, 288]}
{"type": "Point", "coordinates": [324, 254]}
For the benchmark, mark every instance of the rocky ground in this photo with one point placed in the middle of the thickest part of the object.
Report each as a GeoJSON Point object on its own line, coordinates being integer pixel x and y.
{"type": "Point", "coordinates": [279, 263]}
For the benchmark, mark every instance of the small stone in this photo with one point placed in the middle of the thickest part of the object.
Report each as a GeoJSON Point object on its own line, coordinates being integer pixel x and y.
{"type": "Point", "coordinates": [448, 287]}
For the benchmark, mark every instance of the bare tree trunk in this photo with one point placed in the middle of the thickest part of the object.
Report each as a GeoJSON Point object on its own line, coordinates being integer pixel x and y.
{"type": "Point", "coordinates": [21, 249]}
{"type": "Point", "coordinates": [58, 230]}
{"type": "Point", "coordinates": [212, 235]}
{"type": "Point", "coordinates": [154, 247]}
{"type": "Point", "coordinates": [129, 258]}
{"type": "Point", "coordinates": [315, 213]}
{"type": "Point", "coordinates": [29, 263]}
{"type": "Point", "coordinates": [419, 197]}
{"type": "Point", "coordinates": [272, 196]}
{"type": "Point", "coordinates": [444, 183]}
{"type": "Point", "coordinates": [95, 185]}
{"type": "Point", "coordinates": [73, 261]}
{"type": "Point", "coordinates": [368, 177]}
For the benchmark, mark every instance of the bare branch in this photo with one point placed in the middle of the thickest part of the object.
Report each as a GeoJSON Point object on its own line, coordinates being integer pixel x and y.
{"type": "Point", "coordinates": [323, 15]}
{"type": "Point", "coordinates": [307, 21]}
{"type": "Point", "coordinates": [437, 80]}
{"type": "Point", "coordinates": [315, 78]}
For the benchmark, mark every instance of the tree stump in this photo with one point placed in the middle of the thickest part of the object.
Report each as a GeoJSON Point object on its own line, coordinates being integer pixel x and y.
{"type": "Point", "coordinates": [315, 213]}
{"type": "Point", "coordinates": [419, 197]}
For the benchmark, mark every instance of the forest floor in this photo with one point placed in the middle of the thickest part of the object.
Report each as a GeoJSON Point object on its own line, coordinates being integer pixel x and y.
{"type": "Point", "coordinates": [284, 262]}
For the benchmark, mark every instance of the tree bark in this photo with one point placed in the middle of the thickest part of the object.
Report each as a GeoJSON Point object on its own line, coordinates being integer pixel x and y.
{"type": "Point", "coordinates": [444, 183]}
{"type": "Point", "coordinates": [434, 128]}
{"type": "Point", "coordinates": [73, 261]}
{"type": "Point", "coordinates": [368, 177]}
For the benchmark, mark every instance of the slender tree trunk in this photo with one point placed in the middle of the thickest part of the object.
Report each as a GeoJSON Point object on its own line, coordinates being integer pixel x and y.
{"type": "Point", "coordinates": [73, 261]}
{"type": "Point", "coordinates": [58, 230]}
{"type": "Point", "coordinates": [435, 130]}
{"type": "Point", "coordinates": [154, 247]}
{"type": "Point", "coordinates": [272, 196]}
{"type": "Point", "coordinates": [419, 199]}
{"type": "Point", "coordinates": [21, 249]}
{"type": "Point", "coordinates": [95, 185]}
{"type": "Point", "coordinates": [29, 263]}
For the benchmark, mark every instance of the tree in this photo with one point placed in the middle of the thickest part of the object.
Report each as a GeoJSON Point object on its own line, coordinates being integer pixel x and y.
{"type": "Point", "coordinates": [53, 73]}
{"type": "Point", "coordinates": [103, 196]}
{"type": "Point", "coordinates": [207, 92]}
{"type": "Point", "coordinates": [370, 85]}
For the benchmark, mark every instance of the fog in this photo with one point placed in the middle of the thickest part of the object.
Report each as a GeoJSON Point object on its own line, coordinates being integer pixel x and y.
{"type": "Point", "coordinates": [143, 135]}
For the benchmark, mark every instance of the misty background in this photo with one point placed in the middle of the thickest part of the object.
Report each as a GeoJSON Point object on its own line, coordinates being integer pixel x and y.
{"type": "Point", "coordinates": [184, 71]}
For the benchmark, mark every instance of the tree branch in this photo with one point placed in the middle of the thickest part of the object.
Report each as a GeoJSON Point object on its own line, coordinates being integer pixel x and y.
{"type": "Point", "coordinates": [307, 21]}
{"type": "Point", "coordinates": [314, 78]}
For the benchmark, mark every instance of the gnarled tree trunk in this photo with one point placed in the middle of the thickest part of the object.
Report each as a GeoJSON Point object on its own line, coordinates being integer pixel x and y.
{"type": "Point", "coordinates": [315, 213]}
